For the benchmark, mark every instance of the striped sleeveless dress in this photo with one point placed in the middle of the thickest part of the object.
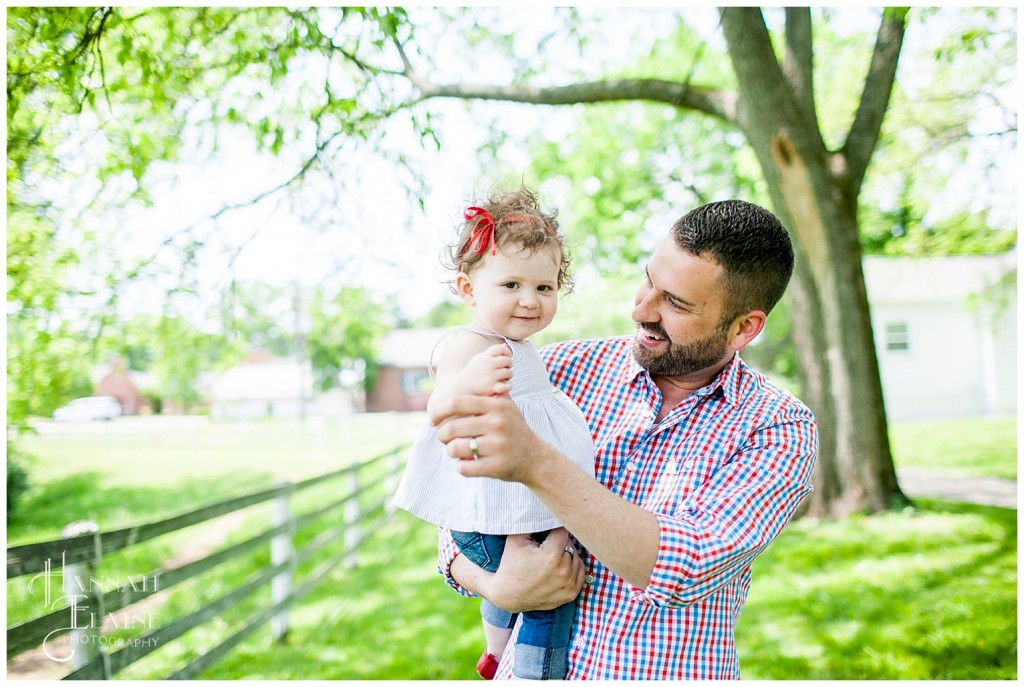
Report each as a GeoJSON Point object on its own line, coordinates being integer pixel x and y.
{"type": "Point", "coordinates": [432, 490]}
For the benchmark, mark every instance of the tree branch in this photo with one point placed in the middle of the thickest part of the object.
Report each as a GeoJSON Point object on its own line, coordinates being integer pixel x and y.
{"type": "Point", "coordinates": [715, 102]}
{"type": "Point", "coordinates": [711, 101]}
{"type": "Point", "coordinates": [874, 101]}
{"type": "Point", "coordinates": [768, 105]}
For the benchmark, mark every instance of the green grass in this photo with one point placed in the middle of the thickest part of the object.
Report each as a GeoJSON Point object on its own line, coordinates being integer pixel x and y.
{"type": "Point", "coordinates": [982, 447]}
{"type": "Point", "coordinates": [391, 617]}
{"type": "Point", "coordinates": [928, 593]}
{"type": "Point", "coordinates": [140, 470]}
{"type": "Point", "coordinates": [148, 470]}
{"type": "Point", "coordinates": [924, 593]}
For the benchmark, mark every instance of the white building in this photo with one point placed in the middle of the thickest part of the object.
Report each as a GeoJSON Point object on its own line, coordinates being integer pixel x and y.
{"type": "Point", "coordinates": [946, 334]}
{"type": "Point", "coordinates": [274, 387]}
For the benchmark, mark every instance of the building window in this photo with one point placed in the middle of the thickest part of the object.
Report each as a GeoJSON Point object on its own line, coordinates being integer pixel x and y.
{"type": "Point", "coordinates": [416, 382]}
{"type": "Point", "coordinates": [896, 337]}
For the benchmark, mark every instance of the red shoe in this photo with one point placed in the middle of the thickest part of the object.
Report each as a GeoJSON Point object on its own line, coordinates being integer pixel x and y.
{"type": "Point", "coordinates": [487, 666]}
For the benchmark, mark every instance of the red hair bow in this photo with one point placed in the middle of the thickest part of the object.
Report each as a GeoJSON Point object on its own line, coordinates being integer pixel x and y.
{"type": "Point", "coordinates": [483, 230]}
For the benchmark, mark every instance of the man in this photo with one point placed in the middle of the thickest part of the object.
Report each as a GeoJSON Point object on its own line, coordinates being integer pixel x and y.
{"type": "Point", "coordinates": [700, 462]}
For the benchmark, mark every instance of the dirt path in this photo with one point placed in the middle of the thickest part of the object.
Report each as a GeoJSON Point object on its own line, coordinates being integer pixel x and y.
{"type": "Point", "coordinates": [986, 491]}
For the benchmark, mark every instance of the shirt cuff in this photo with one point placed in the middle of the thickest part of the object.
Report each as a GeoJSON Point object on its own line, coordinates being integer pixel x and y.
{"type": "Point", "coordinates": [669, 575]}
{"type": "Point", "coordinates": [447, 552]}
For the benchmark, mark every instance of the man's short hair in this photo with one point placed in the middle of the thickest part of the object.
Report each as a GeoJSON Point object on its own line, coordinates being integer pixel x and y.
{"type": "Point", "coordinates": [751, 245]}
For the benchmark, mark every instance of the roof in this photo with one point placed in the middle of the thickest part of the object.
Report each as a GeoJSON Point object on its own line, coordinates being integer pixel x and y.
{"type": "Point", "coordinates": [277, 378]}
{"type": "Point", "coordinates": [409, 348]}
{"type": "Point", "coordinates": [947, 279]}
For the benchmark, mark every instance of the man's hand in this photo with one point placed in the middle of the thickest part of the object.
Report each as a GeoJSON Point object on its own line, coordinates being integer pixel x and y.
{"type": "Point", "coordinates": [622, 535]}
{"type": "Point", "coordinates": [531, 576]}
{"type": "Point", "coordinates": [507, 448]}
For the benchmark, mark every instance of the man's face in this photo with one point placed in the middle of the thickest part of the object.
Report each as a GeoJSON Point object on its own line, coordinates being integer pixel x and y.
{"type": "Point", "coordinates": [679, 314]}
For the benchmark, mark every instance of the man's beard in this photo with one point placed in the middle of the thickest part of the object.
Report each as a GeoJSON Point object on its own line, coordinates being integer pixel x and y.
{"type": "Point", "coordinates": [680, 359]}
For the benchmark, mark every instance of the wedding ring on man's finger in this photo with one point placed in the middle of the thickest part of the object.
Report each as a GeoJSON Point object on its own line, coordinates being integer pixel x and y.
{"type": "Point", "coordinates": [474, 448]}
{"type": "Point", "coordinates": [569, 550]}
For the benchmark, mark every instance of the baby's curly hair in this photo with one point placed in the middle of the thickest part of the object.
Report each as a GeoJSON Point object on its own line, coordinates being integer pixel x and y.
{"type": "Point", "coordinates": [518, 221]}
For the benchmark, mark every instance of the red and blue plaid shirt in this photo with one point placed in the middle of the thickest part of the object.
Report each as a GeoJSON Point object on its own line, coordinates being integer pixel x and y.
{"type": "Point", "coordinates": [723, 472]}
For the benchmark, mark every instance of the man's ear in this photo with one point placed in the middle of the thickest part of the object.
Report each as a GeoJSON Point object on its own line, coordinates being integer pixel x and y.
{"type": "Point", "coordinates": [464, 288]}
{"type": "Point", "coordinates": [745, 329]}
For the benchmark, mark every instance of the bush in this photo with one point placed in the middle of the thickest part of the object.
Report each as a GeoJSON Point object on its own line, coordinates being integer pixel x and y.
{"type": "Point", "coordinates": [17, 480]}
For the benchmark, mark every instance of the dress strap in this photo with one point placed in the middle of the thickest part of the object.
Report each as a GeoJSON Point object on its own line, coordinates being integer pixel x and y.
{"type": "Point", "coordinates": [455, 330]}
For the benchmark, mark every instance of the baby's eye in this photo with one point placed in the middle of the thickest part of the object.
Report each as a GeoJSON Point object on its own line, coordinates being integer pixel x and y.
{"type": "Point", "coordinates": [511, 285]}
{"type": "Point", "coordinates": [544, 287]}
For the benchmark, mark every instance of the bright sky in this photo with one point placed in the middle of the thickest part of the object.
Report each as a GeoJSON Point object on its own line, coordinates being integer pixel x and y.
{"type": "Point", "coordinates": [390, 245]}
{"type": "Point", "coordinates": [387, 244]}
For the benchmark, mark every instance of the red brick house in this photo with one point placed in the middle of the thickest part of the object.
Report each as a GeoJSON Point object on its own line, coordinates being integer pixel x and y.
{"type": "Point", "coordinates": [403, 380]}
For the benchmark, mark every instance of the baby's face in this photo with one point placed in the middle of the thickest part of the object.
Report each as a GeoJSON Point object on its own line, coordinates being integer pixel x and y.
{"type": "Point", "coordinates": [514, 293]}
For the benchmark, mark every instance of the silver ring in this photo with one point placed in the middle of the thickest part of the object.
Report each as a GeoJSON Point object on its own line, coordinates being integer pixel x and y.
{"type": "Point", "coordinates": [474, 448]}
{"type": "Point", "coordinates": [569, 550]}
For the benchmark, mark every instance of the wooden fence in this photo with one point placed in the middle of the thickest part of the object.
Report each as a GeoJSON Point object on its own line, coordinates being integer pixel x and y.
{"type": "Point", "coordinates": [83, 546]}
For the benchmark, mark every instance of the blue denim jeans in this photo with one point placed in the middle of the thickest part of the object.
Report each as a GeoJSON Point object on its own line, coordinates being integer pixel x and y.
{"type": "Point", "coordinates": [542, 645]}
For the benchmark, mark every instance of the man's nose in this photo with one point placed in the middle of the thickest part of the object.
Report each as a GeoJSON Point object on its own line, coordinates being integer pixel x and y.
{"type": "Point", "coordinates": [643, 310]}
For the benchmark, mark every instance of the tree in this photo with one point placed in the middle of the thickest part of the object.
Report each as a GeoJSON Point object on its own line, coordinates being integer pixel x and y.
{"type": "Point", "coordinates": [815, 189]}
{"type": "Point", "coordinates": [815, 192]}
{"type": "Point", "coordinates": [97, 99]}
{"type": "Point", "coordinates": [345, 330]}
{"type": "Point", "coordinates": [263, 317]}
{"type": "Point", "coordinates": [319, 79]}
{"type": "Point", "coordinates": [46, 356]}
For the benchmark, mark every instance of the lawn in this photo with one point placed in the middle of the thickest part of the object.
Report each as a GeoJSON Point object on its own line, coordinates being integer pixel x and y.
{"type": "Point", "coordinates": [983, 447]}
{"type": "Point", "coordinates": [928, 593]}
{"type": "Point", "coordinates": [141, 469]}
{"type": "Point", "coordinates": [924, 593]}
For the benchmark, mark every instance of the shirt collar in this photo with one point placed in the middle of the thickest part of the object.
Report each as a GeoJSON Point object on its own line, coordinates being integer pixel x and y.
{"type": "Point", "coordinates": [728, 379]}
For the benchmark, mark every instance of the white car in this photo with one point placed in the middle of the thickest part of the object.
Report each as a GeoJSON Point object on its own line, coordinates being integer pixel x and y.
{"type": "Point", "coordinates": [89, 408]}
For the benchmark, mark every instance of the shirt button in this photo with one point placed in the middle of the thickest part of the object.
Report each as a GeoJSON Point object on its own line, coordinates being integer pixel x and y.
{"type": "Point", "coordinates": [589, 579]}
{"type": "Point", "coordinates": [630, 466]}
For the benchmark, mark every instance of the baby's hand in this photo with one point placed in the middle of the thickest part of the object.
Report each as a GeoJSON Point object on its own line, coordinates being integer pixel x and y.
{"type": "Point", "coordinates": [489, 372]}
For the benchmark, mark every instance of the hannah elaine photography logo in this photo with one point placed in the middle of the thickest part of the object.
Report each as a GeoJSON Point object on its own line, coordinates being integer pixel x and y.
{"type": "Point", "coordinates": [80, 594]}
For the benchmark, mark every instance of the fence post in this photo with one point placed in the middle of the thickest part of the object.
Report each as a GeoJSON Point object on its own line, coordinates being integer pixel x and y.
{"type": "Point", "coordinates": [281, 550]}
{"type": "Point", "coordinates": [352, 515]}
{"type": "Point", "coordinates": [391, 483]}
{"type": "Point", "coordinates": [77, 585]}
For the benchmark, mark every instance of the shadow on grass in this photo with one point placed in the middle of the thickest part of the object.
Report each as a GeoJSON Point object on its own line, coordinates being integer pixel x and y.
{"type": "Point", "coordinates": [927, 594]}
{"type": "Point", "coordinates": [391, 617]}
{"type": "Point", "coordinates": [48, 507]}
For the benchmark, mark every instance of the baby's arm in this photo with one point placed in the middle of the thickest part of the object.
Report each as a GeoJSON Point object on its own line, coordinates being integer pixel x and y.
{"type": "Point", "coordinates": [471, 365]}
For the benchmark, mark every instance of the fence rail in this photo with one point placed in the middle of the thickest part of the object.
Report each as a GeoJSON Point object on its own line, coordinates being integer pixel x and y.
{"type": "Point", "coordinates": [83, 547]}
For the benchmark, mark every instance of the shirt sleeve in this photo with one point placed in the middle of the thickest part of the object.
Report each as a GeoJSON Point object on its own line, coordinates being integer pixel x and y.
{"type": "Point", "coordinates": [447, 551]}
{"type": "Point", "coordinates": [719, 530]}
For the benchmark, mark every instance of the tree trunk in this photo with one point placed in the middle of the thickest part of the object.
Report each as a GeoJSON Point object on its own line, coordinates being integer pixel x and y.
{"type": "Point", "coordinates": [814, 192]}
{"type": "Point", "coordinates": [815, 195]}
{"type": "Point", "coordinates": [835, 343]}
